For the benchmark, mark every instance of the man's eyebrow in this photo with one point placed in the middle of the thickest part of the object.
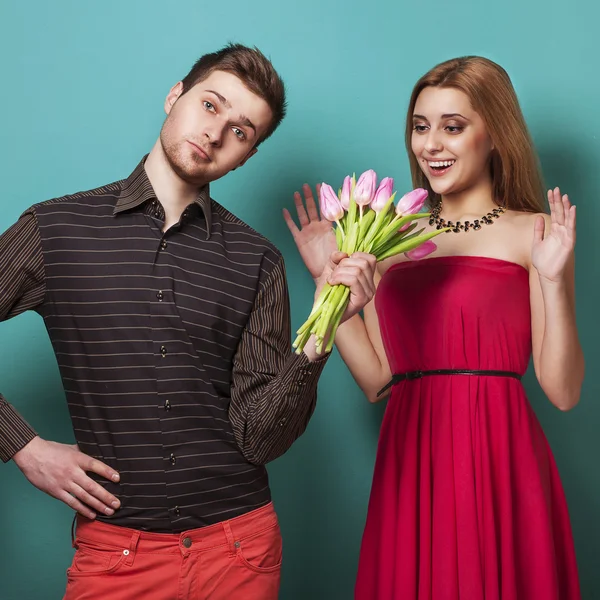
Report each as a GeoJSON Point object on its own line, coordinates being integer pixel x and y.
{"type": "Point", "coordinates": [221, 98]}
{"type": "Point", "coordinates": [246, 121]}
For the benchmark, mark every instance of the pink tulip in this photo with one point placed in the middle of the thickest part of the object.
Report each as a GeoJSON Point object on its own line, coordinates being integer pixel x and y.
{"type": "Point", "coordinates": [411, 203]}
{"type": "Point", "coordinates": [425, 249]}
{"type": "Point", "coordinates": [383, 193]}
{"type": "Point", "coordinates": [346, 190]}
{"type": "Point", "coordinates": [331, 207]}
{"type": "Point", "coordinates": [365, 188]}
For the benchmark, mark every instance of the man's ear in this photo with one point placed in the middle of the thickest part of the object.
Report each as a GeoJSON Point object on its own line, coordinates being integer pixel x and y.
{"type": "Point", "coordinates": [172, 96]}
{"type": "Point", "coordinates": [246, 158]}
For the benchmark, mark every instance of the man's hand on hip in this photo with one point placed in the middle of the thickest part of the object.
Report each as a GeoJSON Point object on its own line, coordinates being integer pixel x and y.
{"type": "Point", "coordinates": [60, 471]}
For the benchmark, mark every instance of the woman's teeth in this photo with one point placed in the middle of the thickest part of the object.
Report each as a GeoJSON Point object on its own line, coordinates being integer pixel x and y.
{"type": "Point", "coordinates": [441, 164]}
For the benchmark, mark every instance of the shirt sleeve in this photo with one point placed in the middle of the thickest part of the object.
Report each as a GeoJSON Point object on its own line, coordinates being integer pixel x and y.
{"type": "Point", "coordinates": [22, 287]}
{"type": "Point", "coordinates": [274, 390]}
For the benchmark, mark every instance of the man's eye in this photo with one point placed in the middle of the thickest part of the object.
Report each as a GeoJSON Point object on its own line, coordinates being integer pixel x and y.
{"type": "Point", "coordinates": [239, 133]}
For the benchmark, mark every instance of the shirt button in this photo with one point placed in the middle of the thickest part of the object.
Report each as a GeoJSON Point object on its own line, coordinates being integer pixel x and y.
{"type": "Point", "coordinates": [163, 351]}
{"type": "Point", "coordinates": [187, 542]}
{"type": "Point", "coordinates": [160, 295]}
{"type": "Point", "coordinates": [172, 459]}
{"type": "Point", "coordinates": [282, 422]}
{"type": "Point", "coordinates": [163, 245]}
{"type": "Point", "coordinates": [167, 405]}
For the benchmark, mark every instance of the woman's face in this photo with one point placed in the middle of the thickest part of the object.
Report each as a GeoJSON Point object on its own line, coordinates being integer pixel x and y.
{"type": "Point", "coordinates": [450, 141]}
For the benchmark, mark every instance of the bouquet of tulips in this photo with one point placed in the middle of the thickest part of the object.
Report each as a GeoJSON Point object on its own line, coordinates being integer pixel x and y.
{"type": "Point", "coordinates": [366, 220]}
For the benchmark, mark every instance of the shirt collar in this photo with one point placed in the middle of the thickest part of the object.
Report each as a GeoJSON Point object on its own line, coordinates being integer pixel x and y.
{"type": "Point", "coordinates": [137, 189]}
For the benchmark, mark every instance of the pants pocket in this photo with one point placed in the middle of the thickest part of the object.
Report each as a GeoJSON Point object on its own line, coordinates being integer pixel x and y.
{"type": "Point", "coordinates": [261, 552]}
{"type": "Point", "coordinates": [95, 559]}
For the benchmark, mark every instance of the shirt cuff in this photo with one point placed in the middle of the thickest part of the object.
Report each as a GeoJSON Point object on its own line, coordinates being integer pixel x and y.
{"type": "Point", "coordinates": [308, 372]}
{"type": "Point", "coordinates": [15, 432]}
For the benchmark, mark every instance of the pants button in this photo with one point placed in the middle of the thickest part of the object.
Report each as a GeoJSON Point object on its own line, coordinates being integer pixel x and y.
{"type": "Point", "coordinates": [187, 542]}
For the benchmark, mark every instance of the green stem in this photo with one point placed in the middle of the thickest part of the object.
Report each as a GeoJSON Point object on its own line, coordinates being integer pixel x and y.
{"type": "Point", "coordinates": [328, 311]}
{"type": "Point", "coordinates": [336, 320]}
{"type": "Point", "coordinates": [301, 341]}
{"type": "Point", "coordinates": [316, 309]}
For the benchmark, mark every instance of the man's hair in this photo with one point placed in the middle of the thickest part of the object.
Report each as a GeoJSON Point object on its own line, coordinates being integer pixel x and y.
{"type": "Point", "coordinates": [255, 71]}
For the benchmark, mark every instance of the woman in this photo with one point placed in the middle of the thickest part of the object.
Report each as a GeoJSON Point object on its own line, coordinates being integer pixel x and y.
{"type": "Point", "coordinates": [466, 500]}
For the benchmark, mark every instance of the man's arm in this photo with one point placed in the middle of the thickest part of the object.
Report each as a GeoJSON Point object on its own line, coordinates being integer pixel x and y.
{"type": "Point", "coordinates": [274, 390]}
{"type": "Point", "coordinates": [57, 469]}
{"type": "Point", "coordinates": [22, 287]}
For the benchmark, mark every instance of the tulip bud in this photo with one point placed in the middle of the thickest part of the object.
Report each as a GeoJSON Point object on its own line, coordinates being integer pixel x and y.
{"type": "Point", "coordinates": [331, 207]}
{"type": "Point", "coordinates": [411, 203]}
{"type": "Point", "coordinates": [365, 188]}
{"type": "Point", "coordinates": [383, 194]}
{"type": "Point", "coordinates": [425, 249]}
{"type": "Point", "coordinates": [346, 190]}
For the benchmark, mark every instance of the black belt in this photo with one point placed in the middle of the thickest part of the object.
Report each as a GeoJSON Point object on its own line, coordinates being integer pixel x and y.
{"type": "Point", "coordinates": [418, 374]}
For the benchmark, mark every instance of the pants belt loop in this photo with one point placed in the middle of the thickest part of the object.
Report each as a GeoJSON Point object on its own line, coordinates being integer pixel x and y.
{"type": "Point", "coordinates": [135, 538]}
{"type": "Point", "coordinates": [230, 540]}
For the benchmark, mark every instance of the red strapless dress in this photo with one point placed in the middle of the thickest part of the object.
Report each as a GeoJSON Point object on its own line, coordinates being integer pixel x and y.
{"type": "Point", "coordinates": [466, 502]}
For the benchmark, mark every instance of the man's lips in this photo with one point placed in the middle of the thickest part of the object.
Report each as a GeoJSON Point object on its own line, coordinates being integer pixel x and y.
{"type": "Point", "coordinates": [199, 150]}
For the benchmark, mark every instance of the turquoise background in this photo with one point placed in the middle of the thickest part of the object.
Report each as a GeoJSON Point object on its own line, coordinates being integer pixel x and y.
{"type": "Point", "coordinates": [83, 86]}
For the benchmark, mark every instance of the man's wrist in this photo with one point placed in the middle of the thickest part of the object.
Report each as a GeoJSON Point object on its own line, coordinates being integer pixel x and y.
{"type": "Point", "coordinates": [22, 456]}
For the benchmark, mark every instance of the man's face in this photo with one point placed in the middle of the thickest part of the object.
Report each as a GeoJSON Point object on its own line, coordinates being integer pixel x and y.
{"type": "Point", "coordinates": [212, 128]}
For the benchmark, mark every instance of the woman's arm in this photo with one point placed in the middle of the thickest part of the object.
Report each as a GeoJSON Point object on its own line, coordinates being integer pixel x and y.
{"type": "Point", "coordinates": [360, 345]}
{"type": "Point", "coordinates": [557, 354]}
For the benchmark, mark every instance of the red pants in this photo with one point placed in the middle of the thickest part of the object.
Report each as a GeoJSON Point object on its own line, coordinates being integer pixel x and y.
{"type": "Point", "coordinates": [236, 559]}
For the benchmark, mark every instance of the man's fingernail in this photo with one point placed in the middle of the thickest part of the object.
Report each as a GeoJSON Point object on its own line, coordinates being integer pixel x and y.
{"type": "Point", "coordinates": [109, 511]}
{"type": "Point", "coordinates": [115, 477]}
{"type": "Point", "coordinates": [115, 504]}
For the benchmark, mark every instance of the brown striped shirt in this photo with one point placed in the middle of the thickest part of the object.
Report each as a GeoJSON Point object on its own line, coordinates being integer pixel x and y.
{"type": "Point", "coordinates": [173, 347]}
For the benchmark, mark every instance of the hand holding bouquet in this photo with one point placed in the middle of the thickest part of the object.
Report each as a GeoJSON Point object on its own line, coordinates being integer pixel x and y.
{"type": "Point", "coordinates": [366, 220]}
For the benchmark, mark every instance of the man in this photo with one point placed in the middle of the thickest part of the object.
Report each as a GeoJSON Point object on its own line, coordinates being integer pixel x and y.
{"type": "Point", "coordinates": [170, 321]}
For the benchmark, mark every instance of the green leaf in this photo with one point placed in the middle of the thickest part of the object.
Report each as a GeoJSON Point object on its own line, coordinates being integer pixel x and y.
{"type": "Point", "coordinates": [365, 223]}
{"type": "Point", "coordinates": [406, 245]}
{"type": "Point", "coordinates": [396, 239]}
